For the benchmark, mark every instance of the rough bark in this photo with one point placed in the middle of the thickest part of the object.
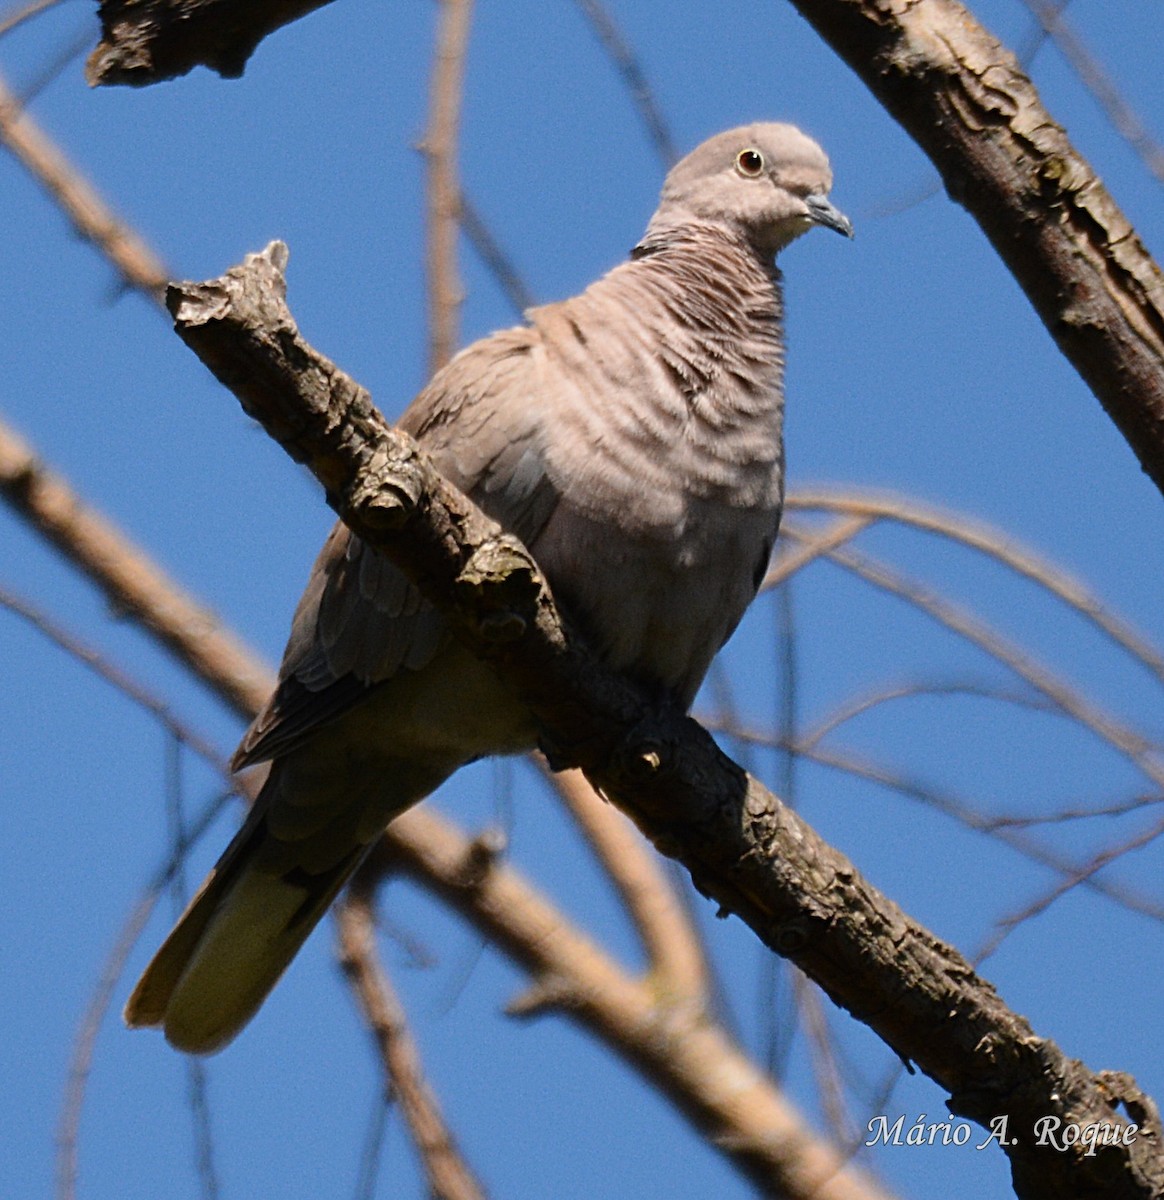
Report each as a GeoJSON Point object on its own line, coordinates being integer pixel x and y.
{"type": "Point", "coordinates": [758, 859]}
{"type": "Point", "coordinates": [963, 98]}
{"type": "Point", "coordinates": [146, 41]}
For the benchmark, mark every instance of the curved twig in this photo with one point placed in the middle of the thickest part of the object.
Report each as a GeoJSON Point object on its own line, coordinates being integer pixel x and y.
{"type": "Point", "coordinates": [859, 705]}
{"type": "Point", "coordinates": [994, 544]}
{"type": "Point", "coordinates": [1139, 749]}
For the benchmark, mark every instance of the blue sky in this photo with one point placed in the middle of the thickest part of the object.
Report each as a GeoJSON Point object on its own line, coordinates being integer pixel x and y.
{"type": "Point", "coordinates": [915, 367]}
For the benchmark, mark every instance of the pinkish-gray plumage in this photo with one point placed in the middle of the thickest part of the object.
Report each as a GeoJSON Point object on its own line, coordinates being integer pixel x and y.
{"type": "Point", "coordinates": [631, 437]}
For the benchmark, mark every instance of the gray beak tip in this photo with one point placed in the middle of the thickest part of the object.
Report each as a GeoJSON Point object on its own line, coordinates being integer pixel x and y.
{"type": "Point", "coordinates": [827, 214]}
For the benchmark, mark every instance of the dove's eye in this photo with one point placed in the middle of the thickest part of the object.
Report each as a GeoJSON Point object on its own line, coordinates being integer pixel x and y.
{"type": "Point", "coordinates": [750, 163]}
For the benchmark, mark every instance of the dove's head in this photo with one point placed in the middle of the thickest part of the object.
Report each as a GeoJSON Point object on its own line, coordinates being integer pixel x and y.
{"type": "Point", "coordinates": [767, 181]}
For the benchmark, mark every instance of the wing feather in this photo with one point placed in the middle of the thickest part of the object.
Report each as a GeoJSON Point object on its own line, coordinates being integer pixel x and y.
{"type": "Point", "coordinates": [360, 621]}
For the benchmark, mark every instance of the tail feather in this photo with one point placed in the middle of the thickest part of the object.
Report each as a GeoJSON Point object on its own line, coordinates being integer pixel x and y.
{"type": "Point", "coordinates": [255, 910]}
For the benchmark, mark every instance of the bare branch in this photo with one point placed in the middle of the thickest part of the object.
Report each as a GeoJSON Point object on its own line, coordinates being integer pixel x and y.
{"type": "Point", "coordinates": [1121, 737]}
{"type": "Point", "coordinates": [967, 103]}
{"type": "Point", "coordinates": [18, 16]}
{"type": "Point", "coordinates": [1119, 112]}
{"type": "Point", "coordinates": [689, 1056]}
{"type": "Point", "coordinates": [491, 253]}
{"type": "Point", "coordinates": [448, 1175]}
{"type": "Point", "coordinates": [146, 41]}
{"type": "Point", "coordinates": [440, 150]}
{"type": "Point", "coordinates": [90, 215]}
{"type": "Point", "coordinates": [757, 858]}
{"type": "Point", "coordinates": [995, 544]}
{"type": "Point", "coordinates": [630, 71]}
{"type": "Point", "coordinates": [678, 968]}
{"type": "Point", "coordinates": [127, 576]}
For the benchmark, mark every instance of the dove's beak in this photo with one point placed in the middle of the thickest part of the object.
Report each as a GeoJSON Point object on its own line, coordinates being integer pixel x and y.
{"type": "Point", "coordinates": [824, 213]}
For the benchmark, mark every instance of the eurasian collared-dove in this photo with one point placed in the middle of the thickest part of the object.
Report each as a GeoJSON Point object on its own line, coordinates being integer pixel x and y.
{"type": "Point", "coordinates": [631, 437]}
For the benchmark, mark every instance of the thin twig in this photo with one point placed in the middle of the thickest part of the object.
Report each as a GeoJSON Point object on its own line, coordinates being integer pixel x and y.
{"type": "Point", "coordinates": [493, 256]}
{"type": "Point", "coordinates": [49, 72]}
{"type": "Point", "coordinates": [997, 545]}
{"type": "Point", "coordinates": [134, 584]}
{"type": "Point", "coordinates": [674, 950]}
{"type": "Point", "coordinates": [1129, 742]}
{"type": "Point", "coordinates": [959, 810]}
{"type": "Point", "coordinates": [630, 70]}
{"type": "Point", "coordinates": [965, 815]}
{"type": "Point", "coordinates": [129, 687]}
{"type": "Point", "coordinates": [1117, 808]}
{"type": "Point", "coordinates": [1006, 925]}
{"type": "Point", "coordinates": [440, 150]}
{"type": "Point", "coordinates": [81, 1060]}
{"type": "Point", "coordinates": [90, 215]}
{"type": "Point", "coordinates": [448, 1175]}
{"type": "Point", "coordinates": [18, 16]}
{"type": "Point", "coordinates": [1124, 119]}
{"type": "Point", "coordinates": [374, 1146]}
{"type": "Point", "coordinates": [859, 705]}
{"type": "Point", "coordinates": [788, 560]}
{"type": "Point", "coordinates": [195, 1069]}
{"type": "Point", "coordinates": [826, 1070]}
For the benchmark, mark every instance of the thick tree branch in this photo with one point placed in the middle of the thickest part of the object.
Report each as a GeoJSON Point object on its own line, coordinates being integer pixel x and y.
{"type": "Point", "coordinates": [146, 41]}
{"type": "Point", "coordinates": [964, 99]}
{"type": "Point", "coordinates": [758, 859]}
{"type": "Point", "coordinates": [734, 1106]}
{"type": "Point", "coordinates": [680, 1048]}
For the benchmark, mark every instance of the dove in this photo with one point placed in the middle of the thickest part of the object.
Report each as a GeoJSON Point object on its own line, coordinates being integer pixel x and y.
{"type": "Point", "coordinates": [631, 437]}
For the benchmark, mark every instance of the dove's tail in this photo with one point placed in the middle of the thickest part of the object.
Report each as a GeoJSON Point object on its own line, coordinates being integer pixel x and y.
{"type": "Point", "coordinates": [253, 912]}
